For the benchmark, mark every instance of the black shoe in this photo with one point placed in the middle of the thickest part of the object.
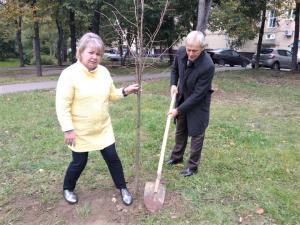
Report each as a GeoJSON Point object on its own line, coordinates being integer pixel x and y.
{"type": "Point", "coordinates": [173, 162]}
{"type": "Point", "coordinates": [126, 196]}
{"type": "Point", "coordinates": [70, 197]}
{"type": "Point", "coordinates": [188, 172]}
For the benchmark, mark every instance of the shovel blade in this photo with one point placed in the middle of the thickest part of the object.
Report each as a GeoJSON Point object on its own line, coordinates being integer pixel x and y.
{"type": "Point", "coordinates": [154, 200]}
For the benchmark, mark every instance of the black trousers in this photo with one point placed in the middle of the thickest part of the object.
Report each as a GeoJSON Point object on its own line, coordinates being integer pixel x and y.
{"type": "Point", "coordinates": [181, 138]}
{"type": "Point", "coordinates": [80, 159]}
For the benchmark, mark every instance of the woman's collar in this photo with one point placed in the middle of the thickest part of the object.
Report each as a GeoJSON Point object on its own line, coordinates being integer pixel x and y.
{"type": "Point", "coordinates": [83, 67]}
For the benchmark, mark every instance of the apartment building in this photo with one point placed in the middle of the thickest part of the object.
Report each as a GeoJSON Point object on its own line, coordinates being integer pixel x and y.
{"type": "Point", "coordinates": [278, 33]}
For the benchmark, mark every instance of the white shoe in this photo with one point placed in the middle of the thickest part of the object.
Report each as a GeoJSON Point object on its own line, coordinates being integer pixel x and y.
{"type": "Point", "coordinates": [70, 197]}
{"type": "Point", "coordinates": [126, 196]}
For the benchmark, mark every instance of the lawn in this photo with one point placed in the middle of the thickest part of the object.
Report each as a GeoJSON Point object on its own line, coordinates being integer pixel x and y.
{"type": "Point", "coordinates": [9, 63]}
{"type": "Point", "coordinates": [249, 172]}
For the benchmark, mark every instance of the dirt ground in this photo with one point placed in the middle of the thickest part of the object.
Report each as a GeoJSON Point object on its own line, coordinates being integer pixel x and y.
{"type": "Point", "coordinates": [95, 207]}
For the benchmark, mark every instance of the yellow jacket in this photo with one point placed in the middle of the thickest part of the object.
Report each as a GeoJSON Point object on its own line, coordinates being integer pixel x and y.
{"type": "Point", "coordinates": [82, 99]}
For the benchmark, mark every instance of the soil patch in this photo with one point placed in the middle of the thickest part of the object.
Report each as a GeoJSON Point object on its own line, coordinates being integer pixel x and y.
{"type": "Point", "coordinates": [95, 207]}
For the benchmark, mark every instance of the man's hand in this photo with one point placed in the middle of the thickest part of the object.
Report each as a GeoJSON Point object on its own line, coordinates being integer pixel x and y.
{"type": "Point", "coordinates": [70, 137]}
{"type": "Point", "coordinates": [174, 90]}
{"type": "Point", "coordinates": [173, 113]}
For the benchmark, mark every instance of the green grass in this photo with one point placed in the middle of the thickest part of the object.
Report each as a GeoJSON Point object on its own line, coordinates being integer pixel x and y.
{"type": "Point", "coordinates": [250, 158]}
{"type": "Point", "coordinates": [9, 63]}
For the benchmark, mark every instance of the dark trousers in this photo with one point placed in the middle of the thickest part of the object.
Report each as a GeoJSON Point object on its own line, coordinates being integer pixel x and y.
{"type": "Point", "coordinates": [181, 137]}
{"type": "Point", "coordinates": [80, 159]}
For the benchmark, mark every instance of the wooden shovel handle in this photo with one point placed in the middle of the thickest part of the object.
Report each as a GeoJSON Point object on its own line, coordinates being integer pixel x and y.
{"type": "Point", "coordinates": [163, 146]}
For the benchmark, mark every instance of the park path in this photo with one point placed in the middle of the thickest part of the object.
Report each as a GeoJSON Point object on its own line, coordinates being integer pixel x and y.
{"type": "Point", "coordinates": [12, 88]}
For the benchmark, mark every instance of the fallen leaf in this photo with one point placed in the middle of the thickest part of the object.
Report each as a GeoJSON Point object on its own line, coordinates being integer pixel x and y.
{"type": "Point", "coordinates": [119, 208]}
{"type": "Point", "coordinates": [260, 211]}
{"type": "Point", "coordinates": [241, 219]}
{"type": "Point", "coordinates": [114, 200]}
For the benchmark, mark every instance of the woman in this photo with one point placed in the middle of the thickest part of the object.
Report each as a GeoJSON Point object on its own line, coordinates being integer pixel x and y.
{"type": "Point", "coordinates": [83, 93]}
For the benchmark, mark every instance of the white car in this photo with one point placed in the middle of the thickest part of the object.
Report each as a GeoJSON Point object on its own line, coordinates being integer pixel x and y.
{"type": "Point", "coordinates": [274, 58]}
{"type": "Point", "coordinates": [112, 55]}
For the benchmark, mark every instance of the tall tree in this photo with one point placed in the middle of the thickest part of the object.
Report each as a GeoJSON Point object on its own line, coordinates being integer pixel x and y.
{"type": "Point", "coordinates": [12, 12]}
{"type": "Point", "coordinates": [240, 19]}
{"type": "Point", "coordinates": [36, 38]}
{"type": "Point", "coordinates": [261, 33]}
{"type": "Point", "coordinates": [96, 17]}
{"type": "Point", "coordinates": [232, 17]}
{"type": "Point", "coordinates": [296, 37]}
{"type": "Point", "coordinates": [59, 25]}
{"type": "Point", "coordinates": [72, 34]}
{"type": "Point", "coordinates": [203, 14]}
{"type": "Point", "coordinates": [19, 41]}
{"type": "Point", "coordinates": [263, 6]}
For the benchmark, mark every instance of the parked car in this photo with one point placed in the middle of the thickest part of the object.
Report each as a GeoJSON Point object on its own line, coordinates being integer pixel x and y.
{"type": "Point", "coordinates": [112, 55]}
{"type": "Point", "coordinates": [274, 58]}
{"type": "Point", "coordinates": [224, 56]}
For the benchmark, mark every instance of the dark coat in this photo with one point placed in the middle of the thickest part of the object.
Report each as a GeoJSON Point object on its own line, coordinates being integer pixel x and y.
{"type": "Point", "coordinates": [194, 89]}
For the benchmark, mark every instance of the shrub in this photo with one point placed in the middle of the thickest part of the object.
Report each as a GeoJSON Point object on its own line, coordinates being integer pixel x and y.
{"type": "Point", "coordinates": [46, 60]}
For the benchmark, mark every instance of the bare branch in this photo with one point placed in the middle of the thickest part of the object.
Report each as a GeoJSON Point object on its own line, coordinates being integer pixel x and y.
{"type": "Point", "coordinates": [120, 13]}
{"type": "Point", "coordinates": [162, 15]}
{"type": "Point", "coordinates": [168, 47]}
{"type": "Point", "coordinates": [120, 31]}
{"type": "Point", "coordinates": [152, 38]}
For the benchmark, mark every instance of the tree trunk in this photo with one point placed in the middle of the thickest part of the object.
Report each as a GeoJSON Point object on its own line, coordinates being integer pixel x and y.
{"type": "Point", "coordinates": [73, 35]}
{"type": "Point", "coordinates": [171, 55]}
{"type": "Point", "coordinates": [160, 51]}
{"type": "Point", "coordinates": [296, 38]}
{"type": "Point", "coordinates": [120, 46]}
{"type": "Point", "coordinates": [139, 69]}
{"type": "Point", "coordinates": [203, 14]}
{"type": "Point", "coordinates": [59, 53]}
{"type": "Point", "coordinates": [36, 38]}
{"type": "Point", "coordinates": [64, 49]}
{"type": "Point", "coordinates": [96, 18]}
{"type": "Point", "coordinates": [59, 42]}
{"type": "Point", "coordinates": [19, 41]}
{"type": "Point", "coordinates": [260, 37]}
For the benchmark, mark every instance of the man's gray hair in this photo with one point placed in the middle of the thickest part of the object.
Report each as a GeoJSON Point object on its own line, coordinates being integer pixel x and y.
{"type": "Point", "coordinates": [196, 36]}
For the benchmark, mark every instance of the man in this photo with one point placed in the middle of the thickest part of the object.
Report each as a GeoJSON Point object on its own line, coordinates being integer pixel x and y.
{"type": "Point", "coordinates": [192, 71]}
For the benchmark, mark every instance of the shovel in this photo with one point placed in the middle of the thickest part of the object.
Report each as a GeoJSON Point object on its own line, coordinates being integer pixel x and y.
{"type": "Point", "coordinates": [154, 193]}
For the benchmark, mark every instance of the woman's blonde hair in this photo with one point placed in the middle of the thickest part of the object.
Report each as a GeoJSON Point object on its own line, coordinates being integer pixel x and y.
{"type": "Point", "coordinates": [92, 40]}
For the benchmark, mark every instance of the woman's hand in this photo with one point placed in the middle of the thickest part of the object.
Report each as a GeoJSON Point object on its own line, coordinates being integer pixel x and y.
{"type": "Point", "coordinates": [70, 137]}
{"type": "Point", "coordinates": [134, 88]}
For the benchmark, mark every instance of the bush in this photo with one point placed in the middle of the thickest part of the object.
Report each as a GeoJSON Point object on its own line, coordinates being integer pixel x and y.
{"type": "Point", "coordinates": [46, 60]}
{"type": "Point", "coordinates": [7, 49]}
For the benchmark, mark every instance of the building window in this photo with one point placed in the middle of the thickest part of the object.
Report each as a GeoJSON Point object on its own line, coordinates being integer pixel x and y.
{"type": "Point", "coordinates": [270, 36]}
{"type": "Point", "coordinates": [272, 19]}
{"type": "Point", "coordinates": [289, 14]}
